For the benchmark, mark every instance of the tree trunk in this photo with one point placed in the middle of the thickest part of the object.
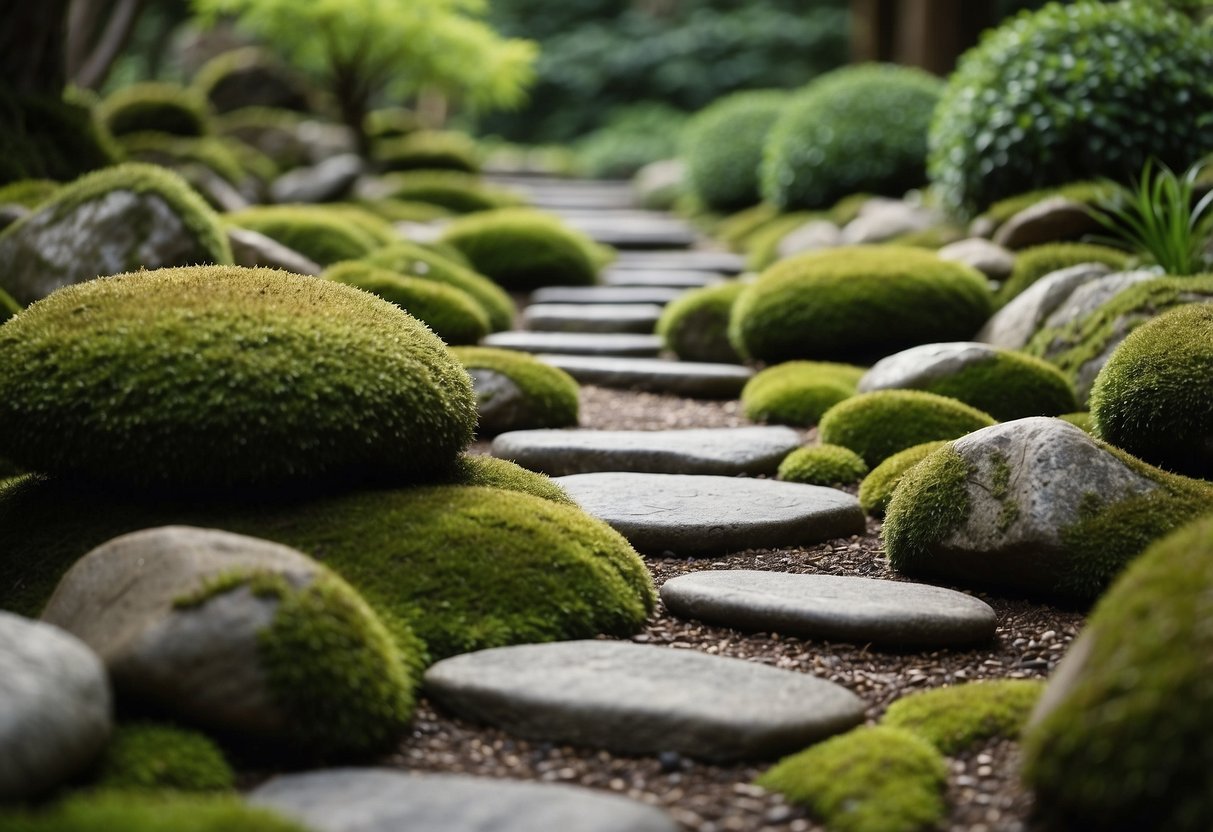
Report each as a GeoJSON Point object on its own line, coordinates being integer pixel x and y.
{"type": "Point", "coordinates": [32, 36]}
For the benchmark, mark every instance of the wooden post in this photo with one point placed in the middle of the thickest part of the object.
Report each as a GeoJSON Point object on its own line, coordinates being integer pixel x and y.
{"type": "Point", "coordinates": [930, 34]}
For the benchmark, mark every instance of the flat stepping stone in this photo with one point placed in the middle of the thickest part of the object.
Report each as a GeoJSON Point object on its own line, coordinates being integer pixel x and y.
{"type": "Point", "coordinates": [660, 295]}
{"type": "Point", "coordinates": [577, 343]}
{"type": "Point", "coordinates": [702, 515]}
{"type": "Point", "coordinates": [832, 607]}
{"type": "Point", "coordinates": [723, 451]}
{"type": "Point", "coordinates": [675, 278]}
{"type": "Point", "coordinates": [628, 234]}
{"type": "Point", "coordinates": [638, 699]}
{"type": "Point", "coordinates": [680, 378]}
{"type": "Point", "coordinates": [638, 318]}
{"type": "Point", "coordinates": [377, 800]}
{"type": "Point", "coordinates": [724, 262]}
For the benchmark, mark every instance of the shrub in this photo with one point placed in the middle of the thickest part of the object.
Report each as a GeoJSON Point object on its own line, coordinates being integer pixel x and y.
{"type": "Point", "coordinates": [108, 811]}
{"type": "Point", "coordinates": [823, 465]}
{"type": "Point", "coordinates": [634, 135]}
{"type": "Point", "coordinates": [312, 231]}
{"type": "Point", "coordinates": [454, 190]}
{"type": "Point", "coordinates": [1032, 264]}
{"type": "Point", "coordinates": [224, 376]}
{"type": "Point", "coordinates": [550, 396]}
{"type": "Point", "coordinates": [877, 487]}
{"type": "Point", "coordinates": [523, 249]}
{"type": "Point", "coordinates": [695, 326]}
{"type": "Point", "coordinates": [798, 392]}
{"type": "Point", "coordinates": [955, 718]}
{"type": "Point", "coordinates": [163, 108]}
{"type": "Point", "coordinates": [249, 77]}
{"type": "Point", "coordinates": [147, 755]}
{"type": "Point", "coordinates": [1048, 98]}
{"type": "Point", "coordinates": [878, 425]}
{"type": "Point", "coordinates": [428, 150]}
{"type": "Point", "coordinates": [723, 147]}
{"type": "Point", "coordinates": [853, 302]}
{"type": "Point", "coordinates": [860, 128]}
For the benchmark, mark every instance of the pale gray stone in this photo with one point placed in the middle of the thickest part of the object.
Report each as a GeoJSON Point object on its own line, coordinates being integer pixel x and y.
{"type": "Point", "coordinates": [706, 515]}
{"type": "Point", "coordinates": [751, 451]}
{"type": "Point", "coordinates": [658, 184]}
{"type": "Point", "coordinates": [694, 379]}
{"type": "Point", "coordinates": [325, 181]}
{"type": "Point", "coordinates": [324, 139]}
{"type": "Point", "coordinates": [637, 699]}
{"type": "Point", "coordinates": [577, 343]}
{"type": "Point", "coordinates": [882, 219]}
{"type": "Point", "coordinates": [660, 295]}
{"type": "Point", "coordinates": [1091, 295]}
{"type": "Point", "coordinates": [639, 318]}
{"type": "Point", "coordinates": [10, 213]}
{"type": "Point", "coordinates": [992, 260]}
{"type": "Point", "coordinates": [814, 235]}
{"type": "Point", "coordinates": [632, 229]}
{"type": "Point", "coordinates": [1051, 220]}
{"type": "Point", "coordinates": [379, 800]}
{"type": "Point", "coordinates": [1014, 325]}
{"type": "Point", "coordinates": [918, 367]}
{"type": "Point", "coordinates": [832, 607]}
{"type": "Point", "coordinates": [55, 708]}
{"type": "Point", "coordinates": [252, 248]}
{"type": "Point", "coordinates": [725, 262]}
{"type": "Point", "coordinates": [676, 278]}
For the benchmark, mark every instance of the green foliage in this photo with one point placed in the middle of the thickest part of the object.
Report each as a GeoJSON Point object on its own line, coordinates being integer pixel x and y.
{"type": "Point", "coordinates": [877, 487]}
{"type": "Point", "coordinates": [953, 719]}
{"type": "Point", "coordinates": [1032, 264]}
{"type": "Point", "coordinates": [523, 249]}
{"type": "Point", "coordinates": [224, 376]}
{"type": "Point", "coordinates": [695, 325]}
{"type": "Point", "coordinates": [490, 472]}
{"type": "Point", "coordinates": [156, 107]}
{"type": "Point", "coordinates": [879, 424]}
{"type": "Point", "coordinates": [170, 812]}
{"type": "Point", "coordinates": [249, 77]}
{"type": "Point", "coordinates": [403, 210]}
{"type": "Point", "coordinates": [872, 779]}
{"type": "Point", "coordinates": [49, 138]}
{"type": "Point", "coordinates": [28, 193]}
{"type": "Point", "coordinates": [723, 147]}
{"type": "Point", "coordinates": [1048, 98]}
{"type": "Point", "coordinates": [855, 302]}
{"type": "Point", "coordinates": [735, 230]}
{"type": "Point", "coordinates": [551, 394]}
{"type": "Point", "coordinates": [147, 755]}
{"type": "Point", "coordinates": [798, 392]}
{"type": "Point", "coordinates": [428, 150]}
{"type": "Point", "coordinates": [313, 231]}
{"type": "Point", "coordinates": [459, 192]}
{"type": "Point", "coordinates": [928, 504]}
{"type": "Point", "coordinates": [631, 138]}
{"type": "Point", "coordinates": [823, 465]}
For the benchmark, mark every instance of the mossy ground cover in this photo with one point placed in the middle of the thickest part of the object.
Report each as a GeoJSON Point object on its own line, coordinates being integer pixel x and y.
{"type": "Point", "coordinates": [153, 756]}
{"type": "Point", "coordinates": [313, 232]}
{"type": "Point", "coordinates": [113, 810]}
{"type": "Point", "coordinates": [878, 425]}
{"type": "Point", "coordinates": [878, 486]}
{"type": "Point", "coordinates": [798, 392]}
{"type": "Point", "coordinates": [1008, 385]}
{"type": "Point", "coordinates": [829, 465]}
{"type": "Point", "coordinates": [456, 191]}
{"type": "Point", "coordinates": [551, 393]}
{"type": "Point", "coordinates": [695, 325]}
{"type": "Point", "coordinates": [955, 718]}
{"type": "Point", "coordinates": [1032, 264]}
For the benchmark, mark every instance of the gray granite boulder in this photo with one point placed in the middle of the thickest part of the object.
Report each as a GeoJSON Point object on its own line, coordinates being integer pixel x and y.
{"type": "Point", "coordinates": [1015, 324]}
{"type": "Point", "coordinates": [638, 318]}
{"type": "Point", "coordinates": [252, 249]}
{"type": "Point", "coordinates": [1051, 220]}
{"type": "Point", "coordinates": [694, 379]}
{"type": "Point", "coordinates": [991, 259]}
{"type": "Point", "coordinates": [502, 405]}
{"type": "Point", "coordinates": [917, 367]}
{"type": "Point", "coordinates": [577, 343]}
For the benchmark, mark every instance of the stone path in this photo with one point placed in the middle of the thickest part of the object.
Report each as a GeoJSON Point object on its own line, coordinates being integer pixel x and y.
{"type": "Point", "coordinates": [678, 278]}
{"type": "Point", "coordinates": [638, 318]}
{"type": "Point", "coordinates": [577, 343]}
{"type": "Point", "coordinates": [606, 294]}
{"type": "Point", "coordinates": [691, 379]}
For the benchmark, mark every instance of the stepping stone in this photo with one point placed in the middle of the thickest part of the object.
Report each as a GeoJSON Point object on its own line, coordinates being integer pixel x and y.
{"type": "Point", "coordinates": [378, 800]}
{"type": "Point", "coordinates": [675, 278]}
{"type": "Point", "coordinates": [723, 451]}
{"type": "Point", "coordinates": [625, 233]}
{"type": "Point", "coordinates": [681, 378]}
{"type": "Point", "coordinates": [695, 260]}
{"type": "Point", "coordinates": [589, 317]}
{"type": "Point", "coordinates": [700, 515]}
{"type": "Point", "coordinates": [832, 607]}
{"type": "Point", "coordinates": [660, 295]}
{"type": "Point", "coordinates": [577, 343]}
{"type": "Point", "coordinates": [638, 699]}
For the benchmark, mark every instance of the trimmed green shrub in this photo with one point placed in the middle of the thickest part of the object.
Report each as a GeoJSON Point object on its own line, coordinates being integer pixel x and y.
{"type": "Point", "coordinates": [428, 150]}
{"type": "Point", "coordinates": [877, 487]}
{"type": "Point", "coordinates": [855, 302]}
{"type": "Point", "coordinates": [28, 193]}
{"type": "Point", "coordinates": [155, 106]}
{"type": "Point", "coordinates": [148, 755]}
{"type": "Point", "coordinates": [451, 313]}
{"type": "Point", "coordinates": [454, 190]}
{"type": "Point", "coordinates": [312, 231]}
{"type": "Point", "coordinates": [955, 718]}
{"type": "Point", "coordinates": [491, 472]}
{"type": "Point", "coordinates": [823, 465]}
{"type": "Point", "coordinates": [695, 326]}
{"type": "Point", "coordinates": [249, 77]}
{"type": "Point", "coordinates": [859, 128]}
{"type": "Point", "coordinates": [723, 147]}
{"type": "Point", "coordinates": [109, 811]}
{"type": "Point", "coordinates": [523, 249]}
{"type": "Point", "coordinates": [1031, 264]}
{"type": "Point", "coordinates": [871, 779]}
{"type": "Point", "coordinates": [798, 392]}
{"type": "Point", "coordinates": [878, 425]}
{"type": "Point", "coordinates": [1047, 98]}
{"type": "Point", "coordinates": [175, 151]}
{"type": "Point", "coordinates": [551, 395]}
{"type": "Point", "coordinates": [225, 376]}
{"type": "Point", "coordinates": [49, 138]}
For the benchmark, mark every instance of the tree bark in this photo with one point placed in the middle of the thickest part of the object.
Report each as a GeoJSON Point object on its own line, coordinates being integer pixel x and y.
{"type": "Point", "coordinates": [32, 37]}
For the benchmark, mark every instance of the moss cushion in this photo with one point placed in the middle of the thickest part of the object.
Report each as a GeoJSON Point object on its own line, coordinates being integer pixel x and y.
{"type": "Point", "coordinates": [823, 465]}
{"type": "Point", "coordinates": [955, 718]}
{"type": "Point", "coordinates": [798, 392]}
{"type": "Point", "coordinates": [1032, 264]}
{"type": "Point", "coordinates": [428, 150]}
{"type": "Point", "coordinates": [551, 396]}
{"type": "Point", "coordinates": [695, 325]}
{"type": "Point", "coordinates": [462, 193]}
{"type": "Point", "coordinates": [148, 755]}
{"type": "Point", "coordinates": [877, 487]}
{"type": "Point", "coordinates": [108, 811]}
{"type": "Point", "coordinates": [164, 108]}
{"type": "Point", "coordinates": [315, 233]}
{"type": "Point", "coordinates": [523, 249]}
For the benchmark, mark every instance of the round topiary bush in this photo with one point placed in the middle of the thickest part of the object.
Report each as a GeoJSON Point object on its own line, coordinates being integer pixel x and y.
{"type": "Point", "coordinates": [454, 190]}
{"type": "Point", "coordinates": [860, 128]}
{"type": "Point", "coordinates": [516, 391]}
{"type": "Point", "coordinates": [857, 302]}
{"type": "Point", "coordinates": [723, 146]}
{"type": "Point", "coordinates": [955, 718]}
{"type": "Point", "coordinates": [695, 325]}
{"type": "Point", "coordinates": [428, 150]}
{"type": "Point", "coordinates": [1032, 264]}
{"type": "Point", "coordinates": [798, 392]}
{"type": "Point", "coordinates": [313, 232]}
{"type": "Point", "coordinates": [878, 425]}
{"type": "Point", "coordinates": [211, 377]}
{"type": "Point", "coordinates": [823, 465]}
{"type": "Point", "coordinates": [107, 811]}
{"type": "Point", "coordinates": [1075, 91]}
{"type": "Point", "coordinates": [147, 755]}
{"type": "Point", "coordinates": [523, 249]}
{"type": "Point", "coordinates": [154, 106]}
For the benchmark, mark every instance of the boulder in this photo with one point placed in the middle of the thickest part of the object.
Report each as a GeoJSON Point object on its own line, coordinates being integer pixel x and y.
{"type": "Point", "coordinates": [1015, 324]}
{"type": "Point", "coordinates": [883, 219]}
{"type": "Point", "coordinates": [1050, 220]}
{"type": "Point", "coordinates": [811, 236]}
{"type": "Point", "coordinates": [991, 259]}
{"type": "Point", "coordinates": [323, 182]}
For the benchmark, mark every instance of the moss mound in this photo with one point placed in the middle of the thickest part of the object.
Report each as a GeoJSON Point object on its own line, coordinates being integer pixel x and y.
{"type": "Point", "coordinates": [451, 313]}
{"type": "Point", "coordinates": [551, 394]}
{"type": "Point", "coordinates": [856, 302]}
{"type": "Point", "coordinates": [762, 244]}
{"type": "Point", "coordinates": [249, 77]}
{"type": "Point", "coordinates": [1031, 264]}
{"type": "Point", "coordinates": [872, 779]}
{"type": "Point", "coordinates": [860, 128]}
{"type": "Point", "coordinates": [878, 425]}
{"type": "Point", "coordinates": [1121, 740]}
{"type": "Point", "coordinates": [223, 376]}
{"type": "Point", "coordinates": [522, 249]}
{"type": "Point", "coordinates": [364, 219]}
{"type": "Point", "coordinates": [400, 210]}
{"type": "Point", "coordinates": [28, 193]}
{"type": "Point", "coordinates": [735, 229]}
{"type": "Point", "coordinates": [877, 487]}
{"type": "Point", "coordinates": [695, 326]}
{"type": "Point", "coordinates": [1088, 193]}
{"type": "Point", "coordinates": [313, 232]}
{"type": "Point", "coordinates": [179, 152]}
{"type": "Point", "coordinates": [490, 472]}
{"type": "Point", "coordinates": [955, 718]}
{"type": "Point", "coordinates": [1080, 419]}
{"type": "Point", "coordinates": [823, 465]}
{"type": "Point", "coordinates": [391, 121]}
{"type": "Point", "coordinates": [147, 755]}
{"type": "Point", "coordinates": [453, 190]}
{"type": "Point", "coordinates": [428, 150]}
{"type": "Point", "coordinates": [723, 147]}
{"type": "Point", "coordinates": [159, 107]}
{"type": "Point", "coordinates": [110, 811]}
{"type": "Point", "coordinates": [798, 392]}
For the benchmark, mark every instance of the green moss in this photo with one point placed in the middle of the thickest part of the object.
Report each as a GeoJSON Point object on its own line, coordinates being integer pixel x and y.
{"type": "Point", "coordinates": [273, 131]}
{"type": "Point", "coordinates": [400, 210]}
{"type": "Point", "coordinates": [932, 238]}
{"type": "Point", "coordinates": [1087, 193]}
{"type": "Point", "coordinates": [551, 394]}
{"type": "Point", "coordinates": [954, 719]}
{"type": "Point", "coordinates": [224, 376]}
{"type": "Point", "coordinates": [417, 261]}
{"type": "Point", "coordinates": [929, 503]}
{"type": "Point", "coordinates": [762, 244]}
{"type": "Point", "coordinates": [365, 220]}
{"type": "Point", "coordinates": [1080, 419]}
{"type": "Point", "coordinates": [879, 424]}
{"type": "Point", "coordinates": [8, 306]}
{"type": "Point", "coordinates": [877, 487]}
{"type": "Point", "coordinates": [451, 313]}
{"type": "Point", "coordinates": [1031, 264]}
{"type": "Point", "coordinates": [310, 230]}
{"type": "Point", "coordinates": [847, 209]}
{"type": "Point", "coordinates": [459, 192]}
{"type": "Point", "coordinates": [249, 77]}
{"type": "Point", "coordinates": [28, 193]}
{"type": "Point", "coordinates": [45, 137]}
{"type": "Point", "coordinates": [428, 150]}
{"type": "Point", "coordinates": [174, 151]}
{"type": "Point", "coordinates": [736, 228]}
{"type": "Point", "coordinates": [823, 465]}
{"type": "Point", "coordinates": [857, 302]}
{"type": "Point", "coordinates": [147, 755]}
{"type": "Point", "coordinates": [171, 812]}
{"type": "Point", "coordinates": [391, 121]}
{"type": "Point", "coordinates": [490, 472]}
{"type": "Point", "coordinates": [1125, 740]}
{"type": "Point", "coordinates": [695, 326]}
{"type": "Point", "coordinates": [798, 392]}
{"type": "Point", "coordinates": [523, 249]}
{"type": "Point", "coordinates": [1000, 489]}
{"type": "Point", "coordinates": [723, 147]}
{"type": "Point", "coordinates": [164, 108]}
{"type": "Point", "coordinates": [1009, 385]}
{"type": "Point", "coordinates": [872, 779]}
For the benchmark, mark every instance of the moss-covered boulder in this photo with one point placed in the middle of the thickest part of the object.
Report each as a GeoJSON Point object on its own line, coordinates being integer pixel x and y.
{"type": "Point", "coordinates": [830, 465]}
{"type": "Point", "coordinates": [857, 302]}
{"type": "Point", "coordinates": [724, 144]}
{"type": "Point", "coordinates": [1032, 264]}
{"type": "Point", "coordinates": [515, 391]}
{"type": "Point", "coordinates": [212, 377]}
{"type": "Point", "coordinates": [387, 122]}
{"type": "Point", "coordinates": [155, 756]}
{"type": "Point", "coordinates": [1081, 193]}
{"type": "Point", "coordinates": [118, 219]}
{"type": "Point", "coordinates": [1121, 737]}
{"type": "Point", "coordinates": [490, 472]}
{"type": "Point", "coordinates": [250, 77]}
{"type": "Point", "coordinates": [798, 392]}
{"type": "Point", "coordinates": [878, 425]}
{"type": "Point", "coordinates": [107, 811]}
{"type": "Point", "coordinates": [955, 718]}
{"type": "Point", "coordinates": [695, 326]}
{"type": "Point", "coordinates": [274, 131]}
{"type": "Point", "coordinates": [523, 249]}
{"type": "Point", "coordinates": [159, 107]}
{"type": "Point", "coordinates": [28, 193]}
{"type": "Point", "coordinates": [877, 487]}
{"type": "Point", "coordinates": [1034, 506]}
{"type": "Point", "coordinates": [428, 150]}
{"type": "Point", "coordinates": [314, 232]}
{"type": "Point", "coordinates": [459, 192]}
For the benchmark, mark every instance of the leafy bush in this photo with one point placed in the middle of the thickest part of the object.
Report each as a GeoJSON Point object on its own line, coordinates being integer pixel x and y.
{"type": "Point", "coordinates": [823, 465]}
{"type": "Point", "coordinates": [798, 392]}
{"type": "Point", "coordinates": [158, 107]}
{"type": "Point", "coordinates": [695, 325]}
{"type": "Point", "coordinates": [723, 147]}
{"type": "Point", "coordinates": [523, 249]}
{"type": "Point", "coordinates": [878, 425]}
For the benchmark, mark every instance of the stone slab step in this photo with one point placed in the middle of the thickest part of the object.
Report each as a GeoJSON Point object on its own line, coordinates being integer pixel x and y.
{"type": "Point", "coordinates": [639, 318]}
{"type": "Point", "coordinates": [725, 262]}
{"type": "Point", "coordinates": [675, 278]}
{"type": "Point", "coordinates": [681, 378]}
{"type": "Point", "coordinates": [660, 295]}
{"type": "Point", "coordinates": [577, 343]}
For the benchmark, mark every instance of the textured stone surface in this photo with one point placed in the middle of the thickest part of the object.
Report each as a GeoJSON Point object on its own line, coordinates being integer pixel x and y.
{"type": "Point", "coordinates": [724, 451]}
{"type": "Point", "coordinates": [633, 229]}
{"type": "Point", "coordinates": [323, 182]}
{"type": "Point", "coordinates": [724, 262]}
{"type": "Point", "coordinates": [252, 248]}
{"type": "Point", "coordinates": [1051, 220]}
{"type": "Point", "coordinates": [577, 343]}
{"type": "Point", "coordinates": [1015, 324]}
{"type": "Point", "coordinates": [638, 699]}
{"type": "Point", "coordinates": [917, 367]}
{"type": "Point", "coordinates": [703, 515]}
{"type": "Point", "coordinates": [639, 318]}
{"type": "Point", "coordinates": [695, 380]}
{"type": "Point", "coordinates": [502, 405]}
{"type": "Point", "coordinates": [832, 607]}
{"type": "Point", "coordinates": [882, 219]}
{"type": "Point", "coordinates": [991, 259]}
{"type": "Point", "coordinates": [606, 294]}
{"type": "Point", "coordinates": [812, 236]}
{"type": "Point", "coordinates": [677, 278]}
{"type": "Point", "coordinates": [377, 800]}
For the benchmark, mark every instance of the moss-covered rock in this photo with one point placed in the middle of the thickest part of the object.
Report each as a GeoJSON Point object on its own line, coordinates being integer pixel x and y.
{"type": "Point", "coordinates": [1121, 738]}
{"type": "Point", "coordinates": [878, 425]}
{"type": "Point", "coordinates": [491, 472]}
{"type": "Point", "coordinates": [762, 244]}
{"type": "Point", "coordinates": [456, 191]}
{"type": "Point", "coordinates": [857, 302]}
{"type": "Point", "coordinates": [387, 122]}
{"type": "Point", "coordinates": [154, 756]}
{"type": "Point", "coordinates": [372, 225]}
{"type": "Point", "coordinates": [250, 77]}
{"type": "Point", "coordinates": [955, 718]}
{"type": "Point", "coordinates": [179, 152]}
{"type": "Point", "coordinates": [798, 392]}
{"type": "Point", "coordinates": [159, 107]}
{"type": "Point", "coordinates": [28, 193]}
{"type": "Point", "coordinates": [1080, 419]}
{"type": "Point", "coordinates": [877, 487]}
{"type": "Point", "coordinates": [695, 326]}
{"type": "Point", "coordinates": [823, 465]}
{"type": "Point", "coordinates": [1032, 264]}
{"type": "Point", "coordinates": [224, 376]}
{"type": "Point", "coordinates": [516, 391]}
{"type": "Point", "coordinates": [1084, 193]}
{"type": "Point", "coordinates": [724, 144]}
{"type": "Point", "coordinates": [736, 228]}
{"type": "Point", "coordinates": [314, 233]}
{"type": "Point", "coordinates": [428, 150]}
{"type": "Point", "coordinates": [272, 130]}
{"type": "Point", "coordinates": [523, 249]}
{"type": "Point", "coordinates": [451, 313]}
{"type": "Point", "coordinates": [872, 779]}
{"type": "Point", "coordinates": [402, 210]}
{"type": "Point", "coordinates": [113, 810]}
